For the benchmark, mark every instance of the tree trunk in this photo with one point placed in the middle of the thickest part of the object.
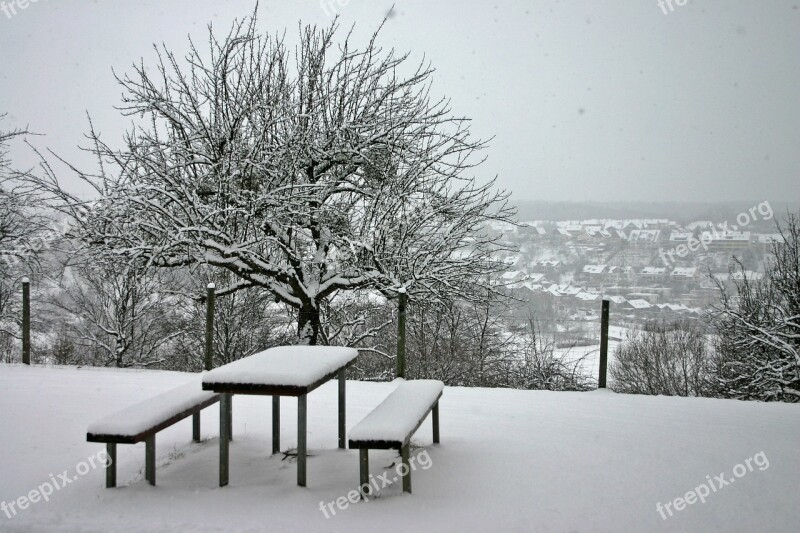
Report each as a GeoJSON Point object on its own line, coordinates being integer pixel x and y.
{"type": "Point", "coordinates": [308, 324]}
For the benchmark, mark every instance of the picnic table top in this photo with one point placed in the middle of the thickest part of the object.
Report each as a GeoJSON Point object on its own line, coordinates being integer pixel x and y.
{"type": "Point", "coordinates": [284, 371]}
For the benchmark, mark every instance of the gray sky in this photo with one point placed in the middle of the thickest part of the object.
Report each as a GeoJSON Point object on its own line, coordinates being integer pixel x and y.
{"type": "Point", "coordinates": [587, 100]}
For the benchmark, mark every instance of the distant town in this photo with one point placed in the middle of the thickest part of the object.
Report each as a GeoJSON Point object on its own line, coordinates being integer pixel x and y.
{"type": "Point", "coordinates": [647, 268]}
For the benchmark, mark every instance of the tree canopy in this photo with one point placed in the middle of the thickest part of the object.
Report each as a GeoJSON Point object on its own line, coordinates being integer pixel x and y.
{"type": "Point", "coordinates": [304, 172]}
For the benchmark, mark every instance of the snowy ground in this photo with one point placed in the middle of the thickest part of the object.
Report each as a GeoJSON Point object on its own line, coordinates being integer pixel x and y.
{"type": "Point", "coordinates": [509, 461]}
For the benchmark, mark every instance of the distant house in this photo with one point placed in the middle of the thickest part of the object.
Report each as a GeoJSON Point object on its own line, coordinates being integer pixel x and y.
{"type": "Point", "coordinates": [700, 224]}
{"type": "Point", "coordinates": [564, 289]}
{"type": "Point", "coordinates": [639, 304]}
{"type": "Point", "coordinates": [644, 237]}
{"type": "Point", "coordinates": [594, 270]}
{"type": "Point", "coordinates": [545, 265]}
{"type": "Point", "coordinates": [766, 240]}
{"type": "Point", "coordinates": [649, 297]}
{"type": "Point", "coordinates": [618, 300]}
{"type": "Point", "coordinates": [535, 278]}
{"type": "Point", "coordinates": [588, 296]}
{"type": "Point", "coordinates": [512, 260]}
{"type": "Point", "coordinates": [653, 272]}
{"type": "Point", "coordinates": [726, 240]}
{"type": "Point", "coordinates": [684, 273]}
{"type": "Point", "coordinates": [588, 300]}
{"type": "Point", "coordinates": [596, 232]}
{"type": "Point", "coordinates": [738, 275]}
{"type": "Point", "coordinates": [680, 236]}
{"type": "Point", "coordinates": [513, 278]}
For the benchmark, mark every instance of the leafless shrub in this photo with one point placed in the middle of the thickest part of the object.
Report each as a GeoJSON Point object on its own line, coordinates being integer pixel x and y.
{"type": "Point", "coordinates": [668, 359]}
{"type": "Point", "coordinates": [757, 355]}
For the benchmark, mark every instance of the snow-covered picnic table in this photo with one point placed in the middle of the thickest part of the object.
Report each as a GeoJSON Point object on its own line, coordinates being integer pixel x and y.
{"type": "Point", "coordinates": [281, 371]}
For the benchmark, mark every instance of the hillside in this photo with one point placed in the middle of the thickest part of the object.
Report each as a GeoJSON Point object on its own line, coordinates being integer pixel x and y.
{"type": "Point", "coordinates": [509, 460]}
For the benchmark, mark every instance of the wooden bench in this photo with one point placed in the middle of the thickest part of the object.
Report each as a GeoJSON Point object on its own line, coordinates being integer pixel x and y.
{"type": "Point", "coordinates": [391, 425]}
{"type": "Point", "coordinates": [141, 421]}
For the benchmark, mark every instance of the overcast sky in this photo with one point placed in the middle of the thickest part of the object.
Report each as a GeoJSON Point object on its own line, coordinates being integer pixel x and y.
{"type": "Point", "coordinates": [586, 100]}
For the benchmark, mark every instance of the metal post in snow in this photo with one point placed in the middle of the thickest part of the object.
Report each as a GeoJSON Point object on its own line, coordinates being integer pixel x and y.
{"type": "Point", "coordinates": [26, 321]}
{"type": "Point", "coordinates": [209, 353]}
{"type": "Point", "coordinates": [603, 345]}
{"type": "Point", "coordinates": [401, 333]}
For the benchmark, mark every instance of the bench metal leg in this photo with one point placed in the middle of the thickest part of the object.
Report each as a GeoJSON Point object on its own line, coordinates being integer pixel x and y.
{"type": "Point", "coordinates": [276, 424]}
{"type": "Point", "coordinates": [363, 472]}
{"type": "Point", "coordinates": [341, 408]}
{"type": "Point", "coordinates": [436, 422]}
{"type": "Point", "coordinates": [150, 459]}
{"type": "Point", "coordinates": [230, 417]}
{"type": "Point", "coordinates": [407, 474]}
{"type": "Point", "coordinates": [196, 427]}
{"type": "Point", "coordinates": [224, 443]}
{"type": "Point", "coordinates": [111, 465]}
{"type": "Point", "coordinates": [302, 418]}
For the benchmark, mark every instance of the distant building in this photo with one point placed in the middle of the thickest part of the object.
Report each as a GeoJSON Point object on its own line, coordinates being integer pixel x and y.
{"type": "Point", "coordinates": [644, 237]}
{"type": "Point", "coordinates": [766, 240]}
{"type": "Point", "coordinates": [638, 304]}
{"type": "Point", "coordinates": [684, 273]}
{"type": "Point", "coordinates": [726, 240]}
{"type": "Point", "coordinates": [653, 272]}
{"type": "Point", "coordinates": [680, 236]}
{"type": "Point", "coordinates": [594, 270]}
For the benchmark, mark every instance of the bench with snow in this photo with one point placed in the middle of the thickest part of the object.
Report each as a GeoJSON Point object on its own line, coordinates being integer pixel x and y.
{"type": "Point", "coordinates": [141, 421]}
{"type": "Point", "coordinates": [391, 425]}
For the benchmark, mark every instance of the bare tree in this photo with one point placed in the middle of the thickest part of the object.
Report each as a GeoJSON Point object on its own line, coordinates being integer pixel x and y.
{"type": "Point", "coordinates": [362, 319]}
{"type": "Point", "coordinates": [21, 225]}
{"type": "Point", "coordinates": [117, 314]}
{"type": "Point", "coordinates": [303, 173]}
{"type": "Point", "coordinates": [758, 325]}
{"type": "Point", "coordinates": [537, 364]}
{"type": "Point", "coordinates": [671, 359]}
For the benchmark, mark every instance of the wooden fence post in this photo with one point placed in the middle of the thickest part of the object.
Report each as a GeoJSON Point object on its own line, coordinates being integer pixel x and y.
{"type": "Point", "coordinates": [401, 333]}
{"type": "Point", "coordinates": [209, 354]}
{"type": "Point", "coordinates": [26, 321]}
{"type": "Point", "coordinates": [603, 345]}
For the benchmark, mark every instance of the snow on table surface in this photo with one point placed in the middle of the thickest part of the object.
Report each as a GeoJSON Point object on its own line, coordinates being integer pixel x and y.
{"type": "Point", "coordinates": [398, 415]}
{"type": "Point", "coordinates": [294, 366]}
{"type": "Point", "coordinates": [139, 417]}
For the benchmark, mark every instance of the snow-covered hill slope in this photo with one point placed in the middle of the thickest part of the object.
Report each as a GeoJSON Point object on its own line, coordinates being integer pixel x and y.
{"type": "Point", "coordinates": [509, 461]}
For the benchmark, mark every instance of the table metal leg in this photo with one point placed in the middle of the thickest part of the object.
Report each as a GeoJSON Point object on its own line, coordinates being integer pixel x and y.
{"type": "Point", "coordinates": [150, 459]}
{"type": "Point", "coordinates": [196, 427]}
{"type": "Point", "coordinates": [224, 433]}
{"type": "Point", "coordinates": [111, 465]}
{"type": "Point", "coordinates": [341, 408]}
{"type": "Point", "coordinates": [363, 472]}
{"type": "Point", "coordinates": [404, 454]}
{"type": "Point", "coordinates": [230, 417]}
{"type": "Point", "coordinates": [276, 424]}
{"type": "Point", "coordinates": [302, 418]}
{"type": "Point", "coordinates": [436, 422]}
